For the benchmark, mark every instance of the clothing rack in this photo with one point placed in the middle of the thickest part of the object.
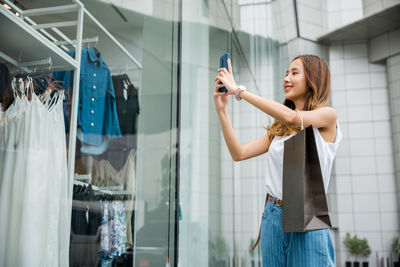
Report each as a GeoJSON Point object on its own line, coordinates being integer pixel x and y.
{"type": "Point", "coordinates": [117, 43]}
{"type": "Point", "coordinates": [26, 33]}
{"type": "Point", "coordinates": [117, 70]}
{"type": "Point", "coordinates": [109, 190]}
{"type": "Point", "coordinates": [123, 69]}
{"type": "Point", "coordinates": [24, 36]}
{"type": "Point", "coordinates": [73, 42]}
{"type": "Point", "coordinates": [85, 177]}
{"type": "Point", "coordinates": [26, 15]}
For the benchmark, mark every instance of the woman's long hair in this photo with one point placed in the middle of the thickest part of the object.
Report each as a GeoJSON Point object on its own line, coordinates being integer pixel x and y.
{"type": "Point", "coordinates": [318, 78]}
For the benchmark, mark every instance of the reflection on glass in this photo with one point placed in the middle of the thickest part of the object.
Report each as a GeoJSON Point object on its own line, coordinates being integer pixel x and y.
{"type": "Point", "coordinates": [203, 238]}
{"type": "Point", "coordinates": [122, 211]}
{"type": "Point", "coordinates": [220, 199]}
{"type": "Point", "coordinates": [103, 194]}
{"type": "Point", "coordinates": [129, 167]}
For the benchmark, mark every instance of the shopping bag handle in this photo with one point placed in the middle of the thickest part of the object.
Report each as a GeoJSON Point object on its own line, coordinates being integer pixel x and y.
{"type": "Point", "coordinates": [301, 119]}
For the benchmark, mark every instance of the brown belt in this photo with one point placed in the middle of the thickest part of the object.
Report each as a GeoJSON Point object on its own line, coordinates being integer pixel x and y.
{"type": "Point", "coordinates": [278, 202]}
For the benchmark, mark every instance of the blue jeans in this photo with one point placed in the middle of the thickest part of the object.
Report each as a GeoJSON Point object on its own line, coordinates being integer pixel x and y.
{"type": "Point", "coordinates": [280, 249]}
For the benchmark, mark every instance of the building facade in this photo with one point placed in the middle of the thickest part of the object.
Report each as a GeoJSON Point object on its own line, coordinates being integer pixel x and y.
{"type": "Point", "coordinates": [185, 201]}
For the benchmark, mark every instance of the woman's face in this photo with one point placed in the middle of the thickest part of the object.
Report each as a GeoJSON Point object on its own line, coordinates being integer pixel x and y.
{"type": "Point", "coordinates": [294, 83]}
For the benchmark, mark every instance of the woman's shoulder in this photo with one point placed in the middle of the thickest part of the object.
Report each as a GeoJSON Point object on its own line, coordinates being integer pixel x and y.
{"type": "Point", "coordinates": [330, 131]}
{"type": "Point", "coordinates": [329, 115]}
{"type": "Point", "coordinates": [328, 110]}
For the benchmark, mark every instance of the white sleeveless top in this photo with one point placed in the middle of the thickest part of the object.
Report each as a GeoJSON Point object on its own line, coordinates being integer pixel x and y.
{"type": "Point", "coordinates": [274, 168]}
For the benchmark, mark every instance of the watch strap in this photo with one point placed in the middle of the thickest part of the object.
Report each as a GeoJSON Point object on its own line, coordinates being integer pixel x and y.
{"type": "Point", "coordinates": [238, 91]}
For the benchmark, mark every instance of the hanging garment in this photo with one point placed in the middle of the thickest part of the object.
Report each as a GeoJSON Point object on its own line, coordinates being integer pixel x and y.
{"type": "Point", "coordinates": [127, 98]}
{"type": "Point", "coordinates": [128, 110]}
{"type": "Point", "coordinates": [124, 260]}
{"type": "Point", "coordinates": [113, 229]}
{"type": "Point", "coordinates": [5, 79]}
{"type": "Point", "coordinates": [6, 95]}
{"type": "Point", "coordinates": [118, 151]}
{"type": "Point", "coordinates": [34, 217]}
{"type": "Point", "coordinates": [104, 174]}
{"type": "Point", "coordinates": [85, 228]}
{"type": "Point", "coordinates": [97, 114]}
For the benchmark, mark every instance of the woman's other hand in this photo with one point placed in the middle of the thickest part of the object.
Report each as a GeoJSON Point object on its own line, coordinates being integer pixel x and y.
{"type": "Point", "coordinates": [220, 99]}
{"type": "Point", "coordinates": [226, 77]}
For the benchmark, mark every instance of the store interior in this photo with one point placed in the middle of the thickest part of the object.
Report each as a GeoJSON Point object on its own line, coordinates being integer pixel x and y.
{"type": "Point", "coordinates": [110, 128]}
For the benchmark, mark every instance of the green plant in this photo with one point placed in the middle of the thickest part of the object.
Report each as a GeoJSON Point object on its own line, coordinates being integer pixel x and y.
{"type": "Point", "coordinates": [395, 242]}
{"type": "Point", "coordinates": [357, 246]}
{"type": "Point", "coordinates": [365, 250]}
{"type": "Point", "coordinates": [221, 247]}
{"type": "Point", "coordinates": [251, 252]}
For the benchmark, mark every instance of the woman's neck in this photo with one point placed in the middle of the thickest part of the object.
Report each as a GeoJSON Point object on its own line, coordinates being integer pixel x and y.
{"type": "Point", "coordinates": [299, 103]}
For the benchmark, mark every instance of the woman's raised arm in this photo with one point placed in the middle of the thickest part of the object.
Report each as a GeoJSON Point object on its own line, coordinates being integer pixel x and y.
{"type": "Point", "coordinates": [323, 117]}
{"type": "Point", "coordinates": [236, 149]}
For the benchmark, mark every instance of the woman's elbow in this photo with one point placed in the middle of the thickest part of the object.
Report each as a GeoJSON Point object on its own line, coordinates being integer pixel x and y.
{"type": "Point", "coordinates": [236, 158]}
{"type": "Point", "coordinates": [291, 118]}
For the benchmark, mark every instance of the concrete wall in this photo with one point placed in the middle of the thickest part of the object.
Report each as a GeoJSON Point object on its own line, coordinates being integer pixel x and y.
{"type": "Point", "coordinates": [364, 168]}
{"type": "Point", "coordinates": [342, 12]}
{"type": "Point", "coordinates": [373, 6]}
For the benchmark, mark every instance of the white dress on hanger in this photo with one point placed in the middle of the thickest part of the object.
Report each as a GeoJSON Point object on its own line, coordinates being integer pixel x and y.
{"type": "Point", "coordinates": [34, 216]}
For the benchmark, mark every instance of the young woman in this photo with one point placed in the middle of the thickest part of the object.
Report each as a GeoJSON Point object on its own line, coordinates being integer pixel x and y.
{"type": "Point", "coordinates": [306, 86]}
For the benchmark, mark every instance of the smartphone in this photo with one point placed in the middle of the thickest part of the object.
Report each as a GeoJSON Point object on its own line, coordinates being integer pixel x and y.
{"type": "Point", "coordinates": [223, 63]}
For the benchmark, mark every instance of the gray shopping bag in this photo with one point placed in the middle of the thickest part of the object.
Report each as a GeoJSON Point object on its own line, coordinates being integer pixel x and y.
{"type": "Point", "coordinates": [305, 206]}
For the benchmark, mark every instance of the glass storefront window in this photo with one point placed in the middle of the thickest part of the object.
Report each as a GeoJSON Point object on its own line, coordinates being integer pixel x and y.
{"type": "Point", "coordinates": [222, 200]}
{"type": "Point", "coordinates": [211, 229]}
{"type": "Point", "coordinates": [150, 180]}
{"type": "Point", "coordinates": [205, 37]}
{"type": "Point", "coordinates": [117, 206]}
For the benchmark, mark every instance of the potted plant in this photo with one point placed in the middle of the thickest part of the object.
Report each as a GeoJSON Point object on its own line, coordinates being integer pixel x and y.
{"type": "Point", "coordinates": [365, 250]}
{"type": "Point", "coordinates": [351, 248]}
{"type": "Point", "coordinates": [357, 247]}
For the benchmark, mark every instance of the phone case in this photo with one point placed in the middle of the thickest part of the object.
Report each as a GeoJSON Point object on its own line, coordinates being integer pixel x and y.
{"type": "Point", "coordinates": [223, 63]}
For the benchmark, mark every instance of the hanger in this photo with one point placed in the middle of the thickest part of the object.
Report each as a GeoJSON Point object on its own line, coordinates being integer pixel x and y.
{"type": "Point", "coordinates": [77, 189]}
{"type": "Point", "coordinates": [126, 79]}
{"type": "Point", "coordinates": [95, 44]}
{"type": "Point", "coordinates": [88, 189]}
{"type": "Point", "coordinates": [41, 79]}
{"type": "Point", "coordinates": [80, 189]}
{"type": "Point", "coordinates": [18, 86]}
{"type": "Point", "coordinates": [96, 51]}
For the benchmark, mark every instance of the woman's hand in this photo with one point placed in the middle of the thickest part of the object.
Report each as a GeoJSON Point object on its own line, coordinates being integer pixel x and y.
{"type": "Point", "coordinates": [226, 77]}
{"type": "Point", "coordinates": [220, 99]}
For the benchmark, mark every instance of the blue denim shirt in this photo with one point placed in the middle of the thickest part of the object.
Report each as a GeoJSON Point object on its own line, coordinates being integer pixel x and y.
{"type": "Point", "coordinates": [97, 113]}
